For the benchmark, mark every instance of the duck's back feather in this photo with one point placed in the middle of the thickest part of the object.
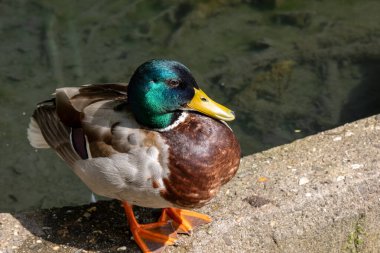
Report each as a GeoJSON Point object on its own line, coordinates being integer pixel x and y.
{"type": "Point", "coordinates": [71, 101]}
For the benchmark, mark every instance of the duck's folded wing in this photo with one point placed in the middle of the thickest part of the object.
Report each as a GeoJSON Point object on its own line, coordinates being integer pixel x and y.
{"type": "Point", "coordinates": [57, 123]}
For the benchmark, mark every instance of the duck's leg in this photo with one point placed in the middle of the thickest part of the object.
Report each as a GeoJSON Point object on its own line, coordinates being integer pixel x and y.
{"type": "Point", "coordinates": [184, 220]}
{"type": "Point", "coordinates": [152, 237]}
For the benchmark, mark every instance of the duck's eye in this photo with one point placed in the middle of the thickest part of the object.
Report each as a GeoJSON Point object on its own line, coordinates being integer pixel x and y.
{"type": "Point", "coordinates": [173, 83]}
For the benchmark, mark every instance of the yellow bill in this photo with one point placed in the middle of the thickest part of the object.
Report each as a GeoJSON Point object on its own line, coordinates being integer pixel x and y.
{"type": "Point", "coordinates": [202, 103]}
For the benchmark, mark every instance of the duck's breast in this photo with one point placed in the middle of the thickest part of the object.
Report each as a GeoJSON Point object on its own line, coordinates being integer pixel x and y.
{"type": "Point", "coordinates": [203, 155]}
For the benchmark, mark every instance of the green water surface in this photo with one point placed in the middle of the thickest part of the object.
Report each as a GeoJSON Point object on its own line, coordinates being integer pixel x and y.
{"type": "Point", "coordinates": [287, 68]}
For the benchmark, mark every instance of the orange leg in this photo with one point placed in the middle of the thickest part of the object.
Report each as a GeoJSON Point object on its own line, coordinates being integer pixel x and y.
{"type": "Point", "coordinates": [153, 237]}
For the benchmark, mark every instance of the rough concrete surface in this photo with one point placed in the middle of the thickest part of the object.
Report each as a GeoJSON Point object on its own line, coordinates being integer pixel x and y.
{"type": "Point", "coordinates": [318, 194]}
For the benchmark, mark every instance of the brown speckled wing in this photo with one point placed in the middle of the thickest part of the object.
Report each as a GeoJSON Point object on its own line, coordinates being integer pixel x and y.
{"type": "Point", "coordinates": [60, 119]}
{"type": "Point", "coordinates": [204, 154]}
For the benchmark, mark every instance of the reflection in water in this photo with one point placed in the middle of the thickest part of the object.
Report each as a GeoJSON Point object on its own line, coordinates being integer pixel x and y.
{"type": "Point", "coordinates": [287, 68]}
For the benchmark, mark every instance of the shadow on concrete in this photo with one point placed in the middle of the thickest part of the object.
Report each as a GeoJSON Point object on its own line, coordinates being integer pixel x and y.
{"type": "Point", "coordinates": [100, 226]}
{"type": "Point", "coordinates": [364, 100]}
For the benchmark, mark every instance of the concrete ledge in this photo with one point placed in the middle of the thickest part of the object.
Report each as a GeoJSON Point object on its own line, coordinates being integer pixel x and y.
{"type": "Point", "coordinates": [318, 194]}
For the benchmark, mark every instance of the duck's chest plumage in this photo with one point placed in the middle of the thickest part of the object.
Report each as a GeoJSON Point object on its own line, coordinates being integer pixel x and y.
{"type": "Point", "coordinates": [203, 155]}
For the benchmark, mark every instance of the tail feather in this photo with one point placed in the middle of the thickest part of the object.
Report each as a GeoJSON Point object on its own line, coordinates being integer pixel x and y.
{"type": "Point", "coordinates": [35, 136]}
{"type": "Point", "coordinates": [54, 132]}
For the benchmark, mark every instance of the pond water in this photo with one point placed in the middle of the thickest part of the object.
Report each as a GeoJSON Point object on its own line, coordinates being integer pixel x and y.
{"type": "Point", "coordinates": [288, 68]}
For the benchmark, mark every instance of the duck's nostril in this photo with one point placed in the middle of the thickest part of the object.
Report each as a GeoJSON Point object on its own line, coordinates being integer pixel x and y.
{"type": "Point", "coordinates": [204, 99]}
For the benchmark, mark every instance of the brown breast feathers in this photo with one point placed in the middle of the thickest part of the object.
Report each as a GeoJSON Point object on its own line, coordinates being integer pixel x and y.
{"type": "Point", "coordinates": [203, 155]}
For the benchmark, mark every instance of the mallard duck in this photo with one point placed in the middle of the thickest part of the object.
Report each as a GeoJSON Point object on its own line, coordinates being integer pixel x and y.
{"type": "Point", "coordinates": [157, 142]}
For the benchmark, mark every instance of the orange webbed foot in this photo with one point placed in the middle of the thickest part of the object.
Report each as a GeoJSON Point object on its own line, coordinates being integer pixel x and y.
{"type": "Point", "coordinates": [184, 220]}
{"type": "Point", "coordinates": [152, 237]}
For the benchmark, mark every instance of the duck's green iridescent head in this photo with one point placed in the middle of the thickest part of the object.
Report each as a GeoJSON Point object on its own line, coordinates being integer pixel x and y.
{"type": "Point", "coordinates": [160, 89]}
